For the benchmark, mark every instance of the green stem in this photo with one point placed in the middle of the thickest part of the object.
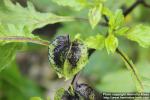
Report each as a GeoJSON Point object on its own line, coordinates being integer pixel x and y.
{"type": "Point", "coordinates": [24, 39]}
{"type": "Point", "coordinates": [133, 70]}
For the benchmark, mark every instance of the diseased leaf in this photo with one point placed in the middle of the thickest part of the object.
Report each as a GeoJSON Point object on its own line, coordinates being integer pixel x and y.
{"type": "Point", "coordinates": [140, 34]}
{"type": "Point", "coordinates": [111, 43]}
{"type": "Point", "coordinates": [95, 15]}
{"type": "Point", "coordinates": [67, 57]}
{"type": "Point", "coordinates": [62, 94]}
{"type": "Point", "coordinates": [96, 42]}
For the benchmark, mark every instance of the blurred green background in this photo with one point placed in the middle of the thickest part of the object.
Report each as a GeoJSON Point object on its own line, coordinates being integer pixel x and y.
{"type": "Point", "coordinates": [31, 74]}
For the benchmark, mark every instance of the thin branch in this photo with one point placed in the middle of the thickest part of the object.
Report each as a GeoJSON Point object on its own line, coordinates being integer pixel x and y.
{"type": "Point", "coordinates": [75, 79]}
{"type": "Point", "coordinates": [127, 11]}
{"type": "Point", "coordinates": [24, 39]}
{"type": "Point", "coordinates": [132, 67]}
{"type": "Point", "coordinates": [145, 4]}
{"type": "Point", "coordinates": [134, 5]}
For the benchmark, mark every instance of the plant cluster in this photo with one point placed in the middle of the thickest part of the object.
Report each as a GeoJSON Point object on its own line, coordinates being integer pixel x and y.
{"type": "Point", "coordinates": [69, 55]}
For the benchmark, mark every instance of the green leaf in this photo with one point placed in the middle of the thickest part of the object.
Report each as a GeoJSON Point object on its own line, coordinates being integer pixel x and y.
{"type": "Point", "coordinates": [117, 81]}
{"type": "Point", "coordinates": [140, 34]}
{"type": "Point", "coordinates": [95, 15]}
{"type": "Point", "coordinates": [25, 20]}
{"type": "Point", "coordinates": [116, 20]}
{"type": "Point", "coordinates": [122, 31]}
{"type": "Point", "coordinates": [106, 11]}
{"type": "Point", "coordinates": [133, 70]}
{"type": "Point", "coordinates": [111, 43]}
{"type": "Point", "coordinates": [96, 42]}
{"type": "Point", "coordinates": [14, 30]}
{"type": "Point", "coordinates": [7, 53]}
{"type": "Point", "coordinates": [9, 36]}
{"type": "Point", "coordinates": [78, 4]}
{"type": "Point", "coordinates": [143, 66]}
{"type": "Point", "coordinates": [98, 60]}
{"type": "Point", "coordinates": [119, 18]}
{"type": "Point", "coordinates": [59, 93]}
{"type": "Point", "coordinates": [120, 77]}
{"type": "Point", "coordinates": [75, 4]}
{"type": "Point", "coordinates": [19, 87]}
{"type": "Point", "coordinates": [27, 16]}
{"type": "Point", "coordinates": [75, 28]}
{"type": "Point", "coordinates": [35, 98]}
{"type": "Point", "coordinates": [10, 33]}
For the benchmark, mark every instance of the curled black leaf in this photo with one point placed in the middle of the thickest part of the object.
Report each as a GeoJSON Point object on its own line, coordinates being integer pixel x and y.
{"type": "Point", "coordinates": [82, 92]}
{"type": "Point", "coordinates": [87, 92]}
{"type": "Point", "coordinates": [75, 53]}
{"type": "Point", "coordinates": [68, 96]}
{"type": "Point", "coordinates": [62, 45]}
{"type": "Point", "coordinates": [65, 49]}
{"type": "Point", "coordinates": [67, 57]}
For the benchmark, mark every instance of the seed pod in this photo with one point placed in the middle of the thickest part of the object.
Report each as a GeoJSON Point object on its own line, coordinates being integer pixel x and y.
{"type": "Point", "coordinates": [67, 57]}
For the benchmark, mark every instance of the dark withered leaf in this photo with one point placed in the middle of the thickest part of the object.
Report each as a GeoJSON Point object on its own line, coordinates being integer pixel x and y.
{"type": "Point", "coordinates": [67, 96]}
{"type": "Point", "coordinates": [62, 94]}
{"type": "Point", "coordinates": [75, 53]}
{"type": "Point", "coordinates": [88, 92]}
{"type": "Point", "coordinates": [80, 92]}
{"type": "Point", "coordinates": [67, 57]}
{"type": "Point", "coordinates": [61, 49]}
